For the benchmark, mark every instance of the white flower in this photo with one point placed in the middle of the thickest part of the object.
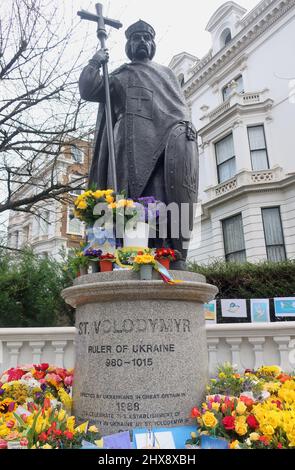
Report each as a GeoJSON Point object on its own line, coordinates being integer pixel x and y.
{"type": "Point", "coordinates": [248, 395]}
{"type": "Point", "coordinates": [4, 378]}
{"type": "Point", "coordinates": [264, 395]}
{"type": "Point", "coordinates": [30, 382]}
{"type": "Point", "coordinates": [54, 402]}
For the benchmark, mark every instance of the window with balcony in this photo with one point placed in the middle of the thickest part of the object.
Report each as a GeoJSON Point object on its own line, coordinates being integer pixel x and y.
{"type": "Point", "coordinates": [273, 234]}
{"type": "Point", "coordinates": [233, 239]}
{"type": "Point", "coordinates": [235, 85]}
{"type": "Point", "coordinates": [258, 150]}
{"type": "Point", "coordinates": [225, 158]}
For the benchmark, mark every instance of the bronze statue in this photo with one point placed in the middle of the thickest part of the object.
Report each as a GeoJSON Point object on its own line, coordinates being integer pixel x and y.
{"type": "Point", "coordinates": [155, 144]}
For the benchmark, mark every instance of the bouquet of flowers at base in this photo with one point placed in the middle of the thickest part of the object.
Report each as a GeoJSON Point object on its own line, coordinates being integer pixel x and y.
{"type": "Point", "coordinates": [35, 409]}
{"type": "Point", "coordinates": [37, 382]}
{"type": "Point", "coordinates": [47, 427]}
{"type": "Point", "coordinates": [261, 417]}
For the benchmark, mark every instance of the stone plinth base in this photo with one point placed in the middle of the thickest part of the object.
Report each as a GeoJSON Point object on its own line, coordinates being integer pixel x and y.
{"type": "Point", "coordinates": [141, 353]}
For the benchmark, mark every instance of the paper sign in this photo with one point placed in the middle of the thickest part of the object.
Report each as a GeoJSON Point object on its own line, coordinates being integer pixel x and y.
{"type": "Point", "coordinates": [260, 310]}
{"type": "Point", "coordinates": [234, 308]}
{"type": "Point", "coordinates": [121, 440]}
{"type": "Point", "coordinates": [15, 445]}
{"type": "Point", "coordinates": [100, 238]}
{"type": "Point", "coordinates": [284, 306]}
{"type": "Point", "coordinates": [155, 440]}
{"type": "Point", "coordinates": [88, 445]}
{"type": "Point", "coordinates": [210, 442]}
{"type": "Point", "coordinates": [210, 311]}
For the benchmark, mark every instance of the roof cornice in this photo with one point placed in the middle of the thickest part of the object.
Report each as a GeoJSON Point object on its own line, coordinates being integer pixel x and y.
{"type": "Point", "coordinates": [256, 23]}
{"type": "Point", "coordinates": [222, 12]}
{"type": "Point", "coordinates": [178, 58]}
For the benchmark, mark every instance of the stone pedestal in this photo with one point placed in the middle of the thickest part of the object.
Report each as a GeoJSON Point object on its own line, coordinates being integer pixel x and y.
{"type": "Point", "coordinates": [141, 352]}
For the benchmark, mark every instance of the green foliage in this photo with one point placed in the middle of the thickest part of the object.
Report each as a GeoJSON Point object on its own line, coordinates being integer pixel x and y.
{"type": "Point", "coordinates": [75, 261]}
{"type": "Point", "coordinates": [248, 280]}
{"type": "Point", "coordinates": [229, 382]}
{"type": "Point", "coordinates": [30, 288]}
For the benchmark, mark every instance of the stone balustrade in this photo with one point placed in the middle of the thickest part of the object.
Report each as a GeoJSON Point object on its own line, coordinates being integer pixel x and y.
{"type": "Point", "coordinates": [248, 345]}
{"type": "Point", "coordinates": [246, 178]}
{"type": "Point", "coordinates": [241, 99]}
{"type": "Point", "coordinates": [35, 345]}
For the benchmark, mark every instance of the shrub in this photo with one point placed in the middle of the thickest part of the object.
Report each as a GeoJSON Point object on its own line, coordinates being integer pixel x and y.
{"type": "Point", "coordinates": [30, 289]}
{"type": "Point", "coordinates": [250, 281]}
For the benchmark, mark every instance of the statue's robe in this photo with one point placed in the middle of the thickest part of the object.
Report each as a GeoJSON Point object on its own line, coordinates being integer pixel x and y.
{"type": "Point", "coordinates": [146, 103]}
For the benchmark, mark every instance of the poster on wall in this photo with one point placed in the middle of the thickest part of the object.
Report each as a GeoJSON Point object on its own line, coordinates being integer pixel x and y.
{"type": "Point", "coordinates": [210, 311]}
{"type": "Point", "coordinates": [260, 310]}
{"type": "Point", "coordinates": [234, 308]}
{"type": "Point", "coordinates": [284, 306]}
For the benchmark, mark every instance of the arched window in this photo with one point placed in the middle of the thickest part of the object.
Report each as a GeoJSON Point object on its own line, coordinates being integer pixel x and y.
{"type": "Point", "coordinates": [225, 37]}
{"type": "Point", "coordinates": [181, 79]}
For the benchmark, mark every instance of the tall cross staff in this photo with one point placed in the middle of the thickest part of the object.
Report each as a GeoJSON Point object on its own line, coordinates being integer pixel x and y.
{"type": "Point", "coordinates": [102, 35]}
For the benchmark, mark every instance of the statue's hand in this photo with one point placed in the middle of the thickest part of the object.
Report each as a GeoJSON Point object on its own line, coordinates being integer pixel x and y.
{"type": "Point", "coordinates": [101, 57]}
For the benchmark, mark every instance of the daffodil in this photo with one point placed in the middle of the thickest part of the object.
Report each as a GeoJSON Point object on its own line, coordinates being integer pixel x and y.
{"type": "Point", "coordinates": [82, 428]}
{"type": "Point", "coordinates": [65, 399]}
{"type": "Point", "coordinates": [82, 205]}
{"type": "Point", "coordinates": [92, 429]}
{"type": "Point", "coordinates": [71, 423]}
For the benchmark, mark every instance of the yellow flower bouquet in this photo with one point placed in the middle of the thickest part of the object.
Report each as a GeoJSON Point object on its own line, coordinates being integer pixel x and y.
{"type": "Point", "coordinates": [86, 203]}
{"type": "Point", "coordinates": [144, 263]}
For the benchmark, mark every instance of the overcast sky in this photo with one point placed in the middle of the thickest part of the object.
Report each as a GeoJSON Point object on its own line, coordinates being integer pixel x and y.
{"type": "Point", "coordinates": [179, 25]}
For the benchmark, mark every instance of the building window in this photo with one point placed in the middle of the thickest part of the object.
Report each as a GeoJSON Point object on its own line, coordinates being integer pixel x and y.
{"type": "Point", "coordinates": [26, 234]}
{"type": "Point", "coordinates": [258, 149]}
{"type": "Point", "coordinates": [16, 244]}
{"type": "Point", "coordinates": [77, 154]}
{"type": "Point", "coordinates": [74, 226]}
{"type": "Point", "coordinates": [225, 37]}
{"type": "Point", "coordinates": [234, 86]}
{"type": "Point", "coordinates": [44, 222]}
{"type": "Point", "coordinates": [76, 180]}
{"type": "Point", "coordinates": [181, 79]}
{"type": "Point", "coordinates": [273, 234]}
{"type": "Point", "coordinates": [233, 237]}
{"type": "Point", "coordinates": [225, 158]}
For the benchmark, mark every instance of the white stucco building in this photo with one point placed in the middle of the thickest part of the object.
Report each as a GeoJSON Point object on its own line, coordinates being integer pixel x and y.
{"type": "Point", "coordinates": [242, 101]}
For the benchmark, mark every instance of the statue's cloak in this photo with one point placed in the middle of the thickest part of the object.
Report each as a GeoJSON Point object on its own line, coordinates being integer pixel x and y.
{"type": "Point", "coordinates": [146, 103]}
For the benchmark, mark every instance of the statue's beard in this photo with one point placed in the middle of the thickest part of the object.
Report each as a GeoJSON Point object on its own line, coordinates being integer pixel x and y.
{"type": "Point", "coordinates": [141, 52]}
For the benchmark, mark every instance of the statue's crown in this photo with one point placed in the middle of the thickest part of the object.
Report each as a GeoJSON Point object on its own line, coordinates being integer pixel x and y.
{"type": "Point", "coordinates": [140, 26]}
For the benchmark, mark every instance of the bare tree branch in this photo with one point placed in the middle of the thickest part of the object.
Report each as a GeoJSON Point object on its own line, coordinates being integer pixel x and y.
{"type": "Point", "coordinates": [40, 108]}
